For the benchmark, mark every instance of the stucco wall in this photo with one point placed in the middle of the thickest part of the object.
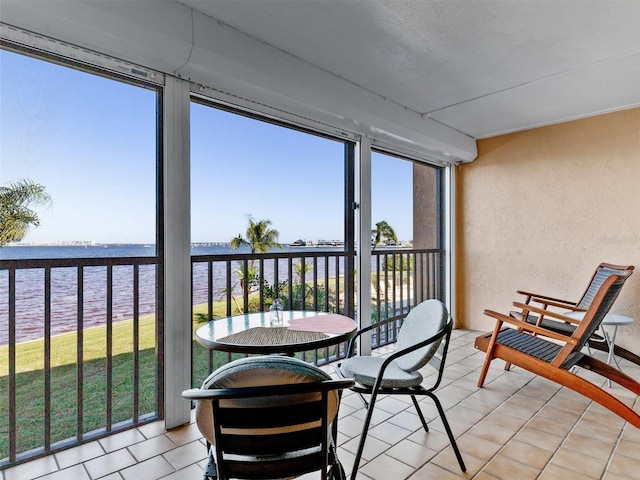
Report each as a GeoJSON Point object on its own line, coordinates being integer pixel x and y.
{"type": "Point", "coordinates": [425, 206]}
{"type": "Point", "coordinates": [539, 209]}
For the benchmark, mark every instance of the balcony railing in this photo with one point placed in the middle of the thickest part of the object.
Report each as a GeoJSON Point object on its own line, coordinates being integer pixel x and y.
{"type": "Point", "coordinates": [224, 285]}
{"type": "Point", "coordinates": [79, 349]}
{"type": "Point", "coordinates": [309, 280]}
{"type": "Point", "coordinates": [70, 370]}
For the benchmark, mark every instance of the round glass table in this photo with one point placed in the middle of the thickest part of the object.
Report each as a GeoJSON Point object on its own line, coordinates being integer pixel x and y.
{"type": "Point", "coordinates": [258, 333]}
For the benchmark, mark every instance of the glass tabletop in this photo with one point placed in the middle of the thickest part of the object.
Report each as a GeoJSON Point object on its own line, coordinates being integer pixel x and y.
{"type": "Point", "coordinates": [256, 333]}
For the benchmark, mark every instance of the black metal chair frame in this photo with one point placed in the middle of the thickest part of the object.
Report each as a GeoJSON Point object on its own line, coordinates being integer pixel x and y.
{"type": "Point", "coordinates": [239, 453]}
{"type": "Point", "coordinates": [377, 389]}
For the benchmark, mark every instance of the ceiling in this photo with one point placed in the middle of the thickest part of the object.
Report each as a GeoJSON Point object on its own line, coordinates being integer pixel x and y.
{"type": "Point", "coordinates": [428, 75]}
{"type": "Point", "coordinates": [481, 67]}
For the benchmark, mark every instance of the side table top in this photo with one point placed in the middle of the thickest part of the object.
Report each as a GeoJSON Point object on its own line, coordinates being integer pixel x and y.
{"type": "Point", "coordinates": [609, 319]}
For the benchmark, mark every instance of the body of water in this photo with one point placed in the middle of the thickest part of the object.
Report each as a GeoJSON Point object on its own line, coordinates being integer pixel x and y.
{"type": "Point", "coordinates": [30, 294]}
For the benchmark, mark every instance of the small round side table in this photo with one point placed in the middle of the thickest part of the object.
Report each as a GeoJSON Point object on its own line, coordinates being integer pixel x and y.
{"type": "Point", "coordinates": [610, 320]}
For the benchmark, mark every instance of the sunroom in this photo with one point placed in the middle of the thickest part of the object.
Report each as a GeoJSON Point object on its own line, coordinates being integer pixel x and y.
{"type": "Point", "coordinates": [506, 137]}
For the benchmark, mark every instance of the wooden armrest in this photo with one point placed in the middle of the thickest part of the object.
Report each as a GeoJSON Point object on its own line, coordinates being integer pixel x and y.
{"type": "Point", "coordinates": [547, 313]}
{"type": "Point", "coordinates": [537, 297]}
{"type": "Point", "coordinates": [529, 327]}
{"type": "Point", "coordinates": [551, 303]}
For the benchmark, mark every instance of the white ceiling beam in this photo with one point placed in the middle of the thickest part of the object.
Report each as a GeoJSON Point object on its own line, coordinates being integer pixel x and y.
{"type": "Point", "coordinates": [172, 38]}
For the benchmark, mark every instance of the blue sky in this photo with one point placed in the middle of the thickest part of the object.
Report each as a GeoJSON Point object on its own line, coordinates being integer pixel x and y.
{"type": "Point", "coordinates": [92, 142]}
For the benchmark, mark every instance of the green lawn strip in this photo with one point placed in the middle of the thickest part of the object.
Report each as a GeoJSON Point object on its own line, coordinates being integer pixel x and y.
{"type": "Point", "coordinates": [30, 355]}
{"type": "Point", "coordinates": [30, 380]}
{"type": "Point", "coordinates": [30, 399]}
{"type": "Point", "coordinates": [30, 396]}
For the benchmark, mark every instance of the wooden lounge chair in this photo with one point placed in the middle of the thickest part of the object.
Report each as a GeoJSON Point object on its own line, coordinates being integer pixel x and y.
{"type": "Point", "coordinates": [555, 359]}
{"type": "Point", "coordinates": [546, 302]}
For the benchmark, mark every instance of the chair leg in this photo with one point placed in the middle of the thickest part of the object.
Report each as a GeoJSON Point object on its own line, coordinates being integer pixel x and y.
{"type": "Point", "coordinates": [210, 471]}
{"type": "Point", "coordinates": [490, 348]}
{"type": "Point", "coordinates": [363, 436]}
{"type": "Point", "coordinates": [485, 368]}
{"type": "Point", "coordinates": [364, 400]}
{"type": "Point", "coordinates": [424, 422]}
{"type": "Point", "coordinates": [452, 439]}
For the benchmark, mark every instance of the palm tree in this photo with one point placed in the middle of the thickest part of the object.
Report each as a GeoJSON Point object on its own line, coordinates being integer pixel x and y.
{"type": "Point", "coordinates": [383, 231]}
{"type": "Point", "coordinates": [298, 269]}
{"type": "Point", "coordinates": [260, 237]}
{"type": "Point", "coordinates": [15, 215]}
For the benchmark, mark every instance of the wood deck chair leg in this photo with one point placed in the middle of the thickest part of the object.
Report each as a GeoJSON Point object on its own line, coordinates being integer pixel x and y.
{"type": "Point", "coordinates": [597, 342]}
{"type": "Point", "coordinates": [489, 357]}
{"type": "Point", "coordinates": [611, 373]}
{"type": "Point", "coordinates": [582, 386]}
{"type": "Point", "coordinates": [598, 395]}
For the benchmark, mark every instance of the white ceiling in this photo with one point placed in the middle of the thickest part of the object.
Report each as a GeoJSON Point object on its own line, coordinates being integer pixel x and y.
{"type": "Point", "coordinates": [482, 67]}
{"type": "Point", "coordinates": [429, 76]}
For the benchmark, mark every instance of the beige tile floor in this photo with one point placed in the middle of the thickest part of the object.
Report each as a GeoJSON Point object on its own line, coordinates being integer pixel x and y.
{"type": "Point", "coordinates": [517, 427]}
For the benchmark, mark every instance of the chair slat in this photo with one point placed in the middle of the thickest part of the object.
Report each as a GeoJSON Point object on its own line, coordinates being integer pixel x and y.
{"type": "Point", "coordinates": [279, 430]}
{"type": "Point", "coordinates": [276, 469]}
{"type": "Point", "coordinates": [528, 344]}
{"type": "Point", "coordinates": [243, 444]}
{"type": "Point", "coordinates": [269, 417]}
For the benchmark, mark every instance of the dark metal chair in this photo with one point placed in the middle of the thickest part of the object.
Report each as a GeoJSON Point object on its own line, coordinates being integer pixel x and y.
{"type": "Point", "coordinates": [423, 339]}
{"type": "Point", "coordinates": [553, 355]}
{"type": "Point", "coordinates": [268, 418]}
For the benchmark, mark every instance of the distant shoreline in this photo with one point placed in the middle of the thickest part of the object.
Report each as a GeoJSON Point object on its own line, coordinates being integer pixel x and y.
{"type": "Point", "coordinates": [89, 243]}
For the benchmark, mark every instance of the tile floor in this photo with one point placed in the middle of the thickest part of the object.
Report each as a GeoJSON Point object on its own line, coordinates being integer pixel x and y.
{"type": "Point", "coordinates": [517, 427]}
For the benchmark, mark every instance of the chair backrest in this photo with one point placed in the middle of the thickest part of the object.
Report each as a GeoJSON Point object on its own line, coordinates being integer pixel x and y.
{"type": "Point", "coordinates": [269, 417]}
{"type": "Point", "coordinates": [423, 322]}
{"type": "Point", "coordinates": [602, 301]}
{"type": "Point", "coordinates": [254, 372]}
{"type": "Point", "coordinates": [599, 276]}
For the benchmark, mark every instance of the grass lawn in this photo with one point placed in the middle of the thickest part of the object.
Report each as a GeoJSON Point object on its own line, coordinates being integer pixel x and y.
{"type": "Point", "coordinates": [30, 381]}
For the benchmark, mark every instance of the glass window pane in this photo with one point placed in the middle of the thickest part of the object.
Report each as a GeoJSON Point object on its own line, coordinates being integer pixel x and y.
{"type": "Point", "coordinates": [90, 141]}
{"type": "Point", "coordinates": [243, 167]}
{"type": "Point", "coordinates": [405, 220]}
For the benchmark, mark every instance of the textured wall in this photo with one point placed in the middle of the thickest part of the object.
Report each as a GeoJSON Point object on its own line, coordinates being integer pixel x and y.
{"type": "Point", "coordinates": [425, 206]}
{"type": "Point", "coordinates": [539, 209]}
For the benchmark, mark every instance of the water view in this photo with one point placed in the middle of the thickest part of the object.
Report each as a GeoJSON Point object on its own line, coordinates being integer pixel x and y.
{"type": "Point", "coordinates": [30, 294]}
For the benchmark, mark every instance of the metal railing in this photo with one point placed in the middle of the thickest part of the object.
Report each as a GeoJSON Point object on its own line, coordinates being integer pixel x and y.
{"type": "Point", "coordinates": [400, 279]}
{"type": "Point", "coordinates": [70, 371]}
{"type": "Point", "coordinates": [80, 357]}
{"type": "Point", "coordinates": [224, 285]}
{"type": "Point", "coordinates": [309, 280]}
